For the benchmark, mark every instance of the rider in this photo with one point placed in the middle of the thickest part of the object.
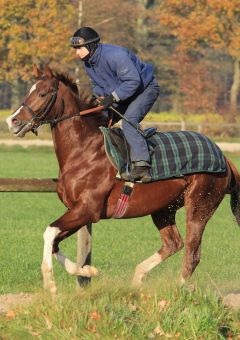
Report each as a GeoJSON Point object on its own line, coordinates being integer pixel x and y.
{"type": "Point", "coordinates": [120, 79]}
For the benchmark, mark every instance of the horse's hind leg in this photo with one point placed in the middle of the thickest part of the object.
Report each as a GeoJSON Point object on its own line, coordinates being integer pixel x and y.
{"type": "Point", "coordinates": [171, 243]}
{"type": "Point", "coordinates": [201, 201]}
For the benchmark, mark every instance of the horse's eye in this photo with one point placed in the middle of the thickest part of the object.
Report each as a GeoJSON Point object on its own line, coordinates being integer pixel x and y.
{"type": "Point", "coordinates": [42, 94]}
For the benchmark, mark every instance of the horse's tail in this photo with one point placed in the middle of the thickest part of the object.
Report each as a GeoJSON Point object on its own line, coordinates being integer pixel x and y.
{"type": "Point", "coordinates": [235, 191]}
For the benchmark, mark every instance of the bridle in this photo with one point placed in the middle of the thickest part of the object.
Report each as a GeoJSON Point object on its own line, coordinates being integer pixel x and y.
{"type": "Point", "coordinates": [38, 120]}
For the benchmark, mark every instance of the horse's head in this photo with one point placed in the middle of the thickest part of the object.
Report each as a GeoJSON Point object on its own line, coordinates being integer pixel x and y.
{"type": "Point", "coordinates": [38, 104]}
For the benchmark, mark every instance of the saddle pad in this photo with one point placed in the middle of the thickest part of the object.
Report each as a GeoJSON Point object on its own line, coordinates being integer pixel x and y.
{"type": "Point", "coordinates": [173, 154]}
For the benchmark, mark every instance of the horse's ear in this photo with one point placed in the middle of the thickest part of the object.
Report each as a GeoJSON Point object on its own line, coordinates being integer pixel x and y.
{"type": "Point", "coordinates": [36, 72]}
{"type": "Point", "coordinates": [48, 71]}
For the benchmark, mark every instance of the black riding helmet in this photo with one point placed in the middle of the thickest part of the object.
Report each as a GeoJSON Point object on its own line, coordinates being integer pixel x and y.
{"type": "Point", "coordinates": [85, 37]}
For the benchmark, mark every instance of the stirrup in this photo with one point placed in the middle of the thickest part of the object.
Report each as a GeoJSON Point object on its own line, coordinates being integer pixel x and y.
{"type": "Point", "coordinates": [138, 174]}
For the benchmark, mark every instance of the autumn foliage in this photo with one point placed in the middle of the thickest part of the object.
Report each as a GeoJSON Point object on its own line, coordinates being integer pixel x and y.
{"type": "Point", "coordinates": [206, 25]}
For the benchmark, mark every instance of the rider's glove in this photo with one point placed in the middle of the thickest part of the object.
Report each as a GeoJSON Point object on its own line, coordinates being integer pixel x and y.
{"type": "Point", "coordinates": [105, 101]}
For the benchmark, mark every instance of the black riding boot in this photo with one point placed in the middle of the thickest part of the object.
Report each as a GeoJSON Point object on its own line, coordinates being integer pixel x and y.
{"type": "Point", "coordinates": [140, 172]}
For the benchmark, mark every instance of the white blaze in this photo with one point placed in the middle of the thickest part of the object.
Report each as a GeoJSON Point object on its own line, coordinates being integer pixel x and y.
{"type": "Point", "coordinates": [33, 88]}
{"type": "Point", "coordinates": [9, 119]}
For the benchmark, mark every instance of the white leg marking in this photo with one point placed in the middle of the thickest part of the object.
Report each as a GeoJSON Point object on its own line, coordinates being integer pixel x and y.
{"type": "Point", "coordinates": [74, 268]}
{"type": "Point", "coordinates": [47, 267]}
{"type": "Point", "coordinates": [182, 281]}
{"type": "Point", "coordinates": [144, 267]}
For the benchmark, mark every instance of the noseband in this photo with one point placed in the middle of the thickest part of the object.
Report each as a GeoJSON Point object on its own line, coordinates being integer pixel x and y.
{"type": "Point", "coordinates": [37, 119]}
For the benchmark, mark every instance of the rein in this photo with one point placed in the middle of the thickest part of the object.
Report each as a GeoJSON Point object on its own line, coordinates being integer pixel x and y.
{"type": "Point", "coordinates": [54, 121]}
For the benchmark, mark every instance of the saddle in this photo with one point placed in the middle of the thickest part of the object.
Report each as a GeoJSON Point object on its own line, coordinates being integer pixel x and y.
{"type": "Point", "coordinates": [172, 154]}
{"type": "Point", "coordinates": [120, 143]}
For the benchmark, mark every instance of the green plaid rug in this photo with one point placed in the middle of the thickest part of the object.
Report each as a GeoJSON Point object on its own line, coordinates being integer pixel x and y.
{"type": "Point", "coordinates": [173, 154]}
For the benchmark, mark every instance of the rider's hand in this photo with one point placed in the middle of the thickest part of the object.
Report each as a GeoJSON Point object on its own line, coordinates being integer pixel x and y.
{"type": "Point", "coordinates": [105, 101]}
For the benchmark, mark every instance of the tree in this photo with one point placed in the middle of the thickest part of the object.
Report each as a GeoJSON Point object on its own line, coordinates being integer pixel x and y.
{"type": "Point", "coordinates": [32, 31]}
{"type": "Point", "coordinates": [39, 30]}
{"type": "Point", "coordinates": [207, 23]}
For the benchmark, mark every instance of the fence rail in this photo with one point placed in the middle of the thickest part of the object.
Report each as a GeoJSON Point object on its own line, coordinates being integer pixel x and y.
{"type": "Point", "coordinates": [28, 185]}
{"type": "Point", "coordinates": [41, 185]}
{"type": "Point", "coordinates": [212, 128]}
{"type": "Point", "coordinates": [231, 129]}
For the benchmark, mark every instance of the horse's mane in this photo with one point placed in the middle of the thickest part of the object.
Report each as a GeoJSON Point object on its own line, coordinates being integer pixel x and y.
{"type": "Point", "coordinates": [68, 81]}
{"type": "Point", "coordinates": [84, 96]}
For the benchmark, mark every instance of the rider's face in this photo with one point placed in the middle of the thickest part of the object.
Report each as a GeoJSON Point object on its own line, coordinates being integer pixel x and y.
{"type": "Point", "coordinates": [82, 52]}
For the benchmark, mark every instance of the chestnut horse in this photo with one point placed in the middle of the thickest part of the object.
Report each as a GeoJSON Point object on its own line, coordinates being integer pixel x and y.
{"type": "Point", "coordinates": [88, 187]}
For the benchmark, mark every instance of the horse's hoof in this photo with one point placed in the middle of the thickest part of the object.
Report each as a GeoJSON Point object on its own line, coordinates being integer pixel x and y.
{"type": "Point", "coordinates": [50, 287]}
{"type": "Point", "coordinates": [90, 271]}
{"type": "Point", "coordinates": [187, 287]}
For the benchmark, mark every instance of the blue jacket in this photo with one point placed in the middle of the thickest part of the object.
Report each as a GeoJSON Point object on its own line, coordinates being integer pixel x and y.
{"type": "Point", "coordinates": [117, 71]}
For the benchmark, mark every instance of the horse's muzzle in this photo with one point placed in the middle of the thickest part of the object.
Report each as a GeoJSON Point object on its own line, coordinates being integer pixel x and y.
{"type": "Point", "coordinates": [17, 127]}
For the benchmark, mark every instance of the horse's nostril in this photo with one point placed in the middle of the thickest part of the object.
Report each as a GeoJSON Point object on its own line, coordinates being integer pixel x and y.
{"type": "Point", "coordinates": [15, 121]}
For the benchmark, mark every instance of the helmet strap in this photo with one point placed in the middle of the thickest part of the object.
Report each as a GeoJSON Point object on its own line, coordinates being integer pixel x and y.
{"type": "Point", "coordinates": [91, 48]}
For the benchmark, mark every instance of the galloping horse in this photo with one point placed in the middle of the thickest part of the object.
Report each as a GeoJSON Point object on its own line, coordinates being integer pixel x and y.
{"type": "Point", "coordinates": [89, 189]}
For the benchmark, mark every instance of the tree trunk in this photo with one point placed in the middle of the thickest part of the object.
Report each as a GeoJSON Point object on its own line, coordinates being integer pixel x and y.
{"type": "Point", "coordinates": [141, 25]}
{"type": "Point", "coordinates": [5, 95]}
{"type": "Point", "coordinates": [80, 14]}
{"type": "Point", "coordinates": [235, 90]}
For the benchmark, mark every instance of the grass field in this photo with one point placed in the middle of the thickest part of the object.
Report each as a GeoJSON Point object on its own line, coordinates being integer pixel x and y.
{"type": "Point", "coordinates": [110, 309]}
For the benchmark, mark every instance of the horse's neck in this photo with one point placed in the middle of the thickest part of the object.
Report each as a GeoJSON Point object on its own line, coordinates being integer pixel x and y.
{"type": "Point", "coordinates": [76, 138]}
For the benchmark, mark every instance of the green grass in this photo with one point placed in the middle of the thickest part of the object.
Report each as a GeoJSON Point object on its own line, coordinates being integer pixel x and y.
{"type": "Point", "coordinates": [116, 312]}
{"type": "Point", "coordinates": [118, 246]}
{"type": "Point", "coordinates": [5, 113]}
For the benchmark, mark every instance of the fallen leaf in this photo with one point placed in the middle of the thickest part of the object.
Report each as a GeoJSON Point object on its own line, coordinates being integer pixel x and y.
{"type": "Point", "coordinates": [132, 307]}
{"type": "Point", "coordinates": [95, 315]}
{"type": "Point", "coordinates": [145, 297]}
{"type": "Point", "coordinates": [162, 305]}
{"type": "Point", "coordinates": [35, 333]}
{"type": "Point", "coordinates": [177, 335]}
{"type": "Point", "coordinates": [158, 331]}
{"type": "Point", "coordinates": [92, 328]}
{"type": "Point", "coordinates": [10, 314]}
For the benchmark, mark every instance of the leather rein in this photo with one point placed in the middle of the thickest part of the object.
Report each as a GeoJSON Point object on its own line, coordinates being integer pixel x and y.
{"type": "Point", "coordinates": [36, 122]}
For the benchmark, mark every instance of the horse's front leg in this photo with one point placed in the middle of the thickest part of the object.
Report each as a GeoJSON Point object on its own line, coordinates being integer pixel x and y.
{"type": "Point", "coordinates": [63, 227]}
{"type": "Point", "coordinates": [47, 266]}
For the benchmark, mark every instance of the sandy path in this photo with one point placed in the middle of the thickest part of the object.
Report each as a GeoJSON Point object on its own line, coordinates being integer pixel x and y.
{"type": "Point", "coordinates": [9, 301]}
{"type": "Point", "coordinates": [26, 142]}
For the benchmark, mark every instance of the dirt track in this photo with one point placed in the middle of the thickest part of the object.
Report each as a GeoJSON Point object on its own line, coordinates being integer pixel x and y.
{"type": "Point", "coordinates": [9, 301]}
{"type": "Point", "coordinates": [26, 142]}
{"type": "Point", "coordinates": [230, 147]}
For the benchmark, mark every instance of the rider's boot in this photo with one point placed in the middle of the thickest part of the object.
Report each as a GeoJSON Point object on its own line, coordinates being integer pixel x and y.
{"type": "Point", "coordinates": [140, 172]}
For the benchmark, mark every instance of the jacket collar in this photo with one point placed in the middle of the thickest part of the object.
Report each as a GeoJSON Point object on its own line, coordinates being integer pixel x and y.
{"type": "Point", "coordinates": [96, 56]}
